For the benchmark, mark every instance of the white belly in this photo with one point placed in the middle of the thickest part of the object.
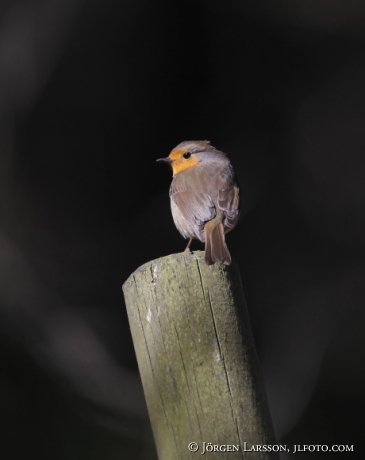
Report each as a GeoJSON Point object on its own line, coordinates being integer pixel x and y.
{"type": "Point", "coordinates": [182, 224]}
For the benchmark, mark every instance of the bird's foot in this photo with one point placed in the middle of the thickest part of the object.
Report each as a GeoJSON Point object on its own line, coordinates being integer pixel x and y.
{"type": "Point", "coordinates": [187, 249]}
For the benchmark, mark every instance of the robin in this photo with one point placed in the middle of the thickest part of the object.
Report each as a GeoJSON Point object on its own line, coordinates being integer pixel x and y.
{"type": "Point", "coordinates": [204, 197]}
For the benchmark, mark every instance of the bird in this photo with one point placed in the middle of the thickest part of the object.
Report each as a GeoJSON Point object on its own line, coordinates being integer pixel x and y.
{"type": "Point", "coordinates": [204, 197]}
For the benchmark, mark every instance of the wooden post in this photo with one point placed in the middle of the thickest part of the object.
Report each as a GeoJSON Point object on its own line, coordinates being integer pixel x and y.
{"type": "Point", "coordinates": [197, 360]}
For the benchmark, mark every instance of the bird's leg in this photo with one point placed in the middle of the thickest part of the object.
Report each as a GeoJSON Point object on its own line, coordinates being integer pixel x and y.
{"type": "Point", "coordinates": [187, 249]}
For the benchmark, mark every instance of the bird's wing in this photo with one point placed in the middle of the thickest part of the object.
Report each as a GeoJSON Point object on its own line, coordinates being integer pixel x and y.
{"type": "Point", "coordinates": [195, 209]}
{"type": "Point", "coordinates": [228, 202]}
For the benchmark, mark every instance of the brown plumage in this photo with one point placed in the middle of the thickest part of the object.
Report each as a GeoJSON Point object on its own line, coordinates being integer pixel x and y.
{"type": "Point", "coordinates": [204, 197]}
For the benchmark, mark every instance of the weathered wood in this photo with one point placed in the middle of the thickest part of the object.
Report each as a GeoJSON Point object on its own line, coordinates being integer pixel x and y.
{"type": "Point", "coordinates": [197, 359]}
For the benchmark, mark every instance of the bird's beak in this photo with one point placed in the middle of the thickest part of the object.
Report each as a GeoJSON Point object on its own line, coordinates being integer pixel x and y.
{"type": "Point", "coordinates": [165, 160]}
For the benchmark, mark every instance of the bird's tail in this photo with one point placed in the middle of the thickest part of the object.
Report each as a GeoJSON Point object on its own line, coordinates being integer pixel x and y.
{"type": "Point", "coordinates": [215, 245]}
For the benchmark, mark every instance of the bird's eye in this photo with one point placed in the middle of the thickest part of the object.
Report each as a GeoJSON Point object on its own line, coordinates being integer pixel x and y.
{"type": "Point", "coordinates": [187, 155]}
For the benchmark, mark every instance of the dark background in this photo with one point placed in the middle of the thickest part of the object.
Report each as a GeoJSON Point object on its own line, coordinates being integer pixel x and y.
{"type": "Point", "coordinates": [91, 93]}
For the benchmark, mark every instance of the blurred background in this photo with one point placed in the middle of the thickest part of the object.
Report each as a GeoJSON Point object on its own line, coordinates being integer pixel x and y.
{"type": "Point", "coordinates": [91, 93]}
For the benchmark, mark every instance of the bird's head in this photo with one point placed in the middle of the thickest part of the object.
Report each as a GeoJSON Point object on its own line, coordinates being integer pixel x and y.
{"type": "Point", "coordinates": [189, 154]}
